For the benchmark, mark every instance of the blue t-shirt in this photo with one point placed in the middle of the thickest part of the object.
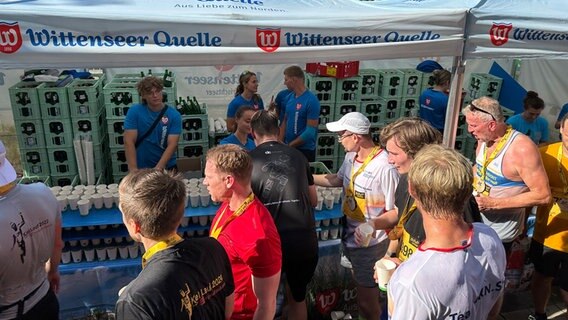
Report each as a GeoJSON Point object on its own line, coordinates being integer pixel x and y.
{"type": "Point", "coordinates": [149, 152]}
{"type": "Point", "coordinates": [232, 139]}
{"type": "Point", "coordinates": [433, 105]}
{"type": "Point", "coordinates": [240, 101]}
{"type": "Point", "coordinates": [281, 100]}
{"type": "Point", "coordinates": [536, 130]}
{"type": "Point", "coordinates": [298, 111]}
{"type": "Point", "coordinates": [563, 112]}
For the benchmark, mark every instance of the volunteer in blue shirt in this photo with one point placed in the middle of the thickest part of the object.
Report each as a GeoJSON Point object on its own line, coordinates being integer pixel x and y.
{"type": "Point", "coordinates": [434, 101]}
{"type": "Point", "coordinates": [241, 137]}
{"type": "Point", "coordinates": [563, 112]}
{"type": "Point", "coordinates": [530, 122]}
{"type": "Point", "coordinates": [245, 95]}
{"type": "Point", "coordinates": [299, 126]}
{"type": "Point", "coordinates": [147, 145]}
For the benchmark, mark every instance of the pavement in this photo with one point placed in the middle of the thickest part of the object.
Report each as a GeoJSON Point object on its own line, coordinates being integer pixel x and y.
{"type": "Point", "coordinates": [519, 305]}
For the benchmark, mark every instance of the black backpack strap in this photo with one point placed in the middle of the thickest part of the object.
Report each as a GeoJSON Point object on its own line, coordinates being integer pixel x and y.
{"type": "Point", "coordinates": [147, 133]}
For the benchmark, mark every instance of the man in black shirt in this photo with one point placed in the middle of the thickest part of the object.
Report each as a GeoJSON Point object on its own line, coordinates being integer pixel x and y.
{"type": "Point", "coordinates": [282, 180]}
{"type": "Point", "coordinates": [180, 279]}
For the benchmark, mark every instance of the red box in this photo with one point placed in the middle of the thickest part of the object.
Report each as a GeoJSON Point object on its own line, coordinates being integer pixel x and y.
{"type": "Point", "coordinates": [337, 70]}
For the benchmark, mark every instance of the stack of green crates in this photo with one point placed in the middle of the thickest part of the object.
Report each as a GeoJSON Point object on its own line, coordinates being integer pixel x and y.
{"type": "Point", "coordinates": [25, 103]}
{"type": "Point", "coordinates": [88, 121]}
{"type": "Point", "coordinates": [194, 138]}
{"type": "Point", "coordinates": [119, 95]}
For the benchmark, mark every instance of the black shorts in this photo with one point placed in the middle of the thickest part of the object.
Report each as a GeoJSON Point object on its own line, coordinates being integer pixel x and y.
{"type": "Point", "coordinates": [299, 260]}
{"type": "Point", "coordinates": [550, 262]}
{"type": "Point", "coordinates": [309, 154]}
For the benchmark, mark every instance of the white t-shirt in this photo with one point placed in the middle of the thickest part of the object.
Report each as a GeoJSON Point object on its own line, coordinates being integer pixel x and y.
{"type": "Point", "coordinates": [378, 181]}
{"type": "Point", "coordinates": [27, 232]}
{"type": "Point", "coordinates": [461, 284]}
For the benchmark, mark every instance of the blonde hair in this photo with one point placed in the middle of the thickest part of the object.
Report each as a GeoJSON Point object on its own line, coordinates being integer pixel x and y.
{"type": "Point", "coordinates": [155, 199]}
{"type": "Point", "coordinates": [232, 159]}
{"type": "Point", "coordinates": [411, 134]}
{"type": "Point", "coordinates": [441, 180]}
{"type": "Point", "coordinates": [487, 104]}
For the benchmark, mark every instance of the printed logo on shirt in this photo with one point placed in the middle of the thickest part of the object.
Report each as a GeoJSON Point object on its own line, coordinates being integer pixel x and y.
{"type": "Point", "coordinates": [165, 120]}
{"type": "Point", "coordinates": [427, 101]}
{"type": "Point", "coordinates": [298, 106]}
{"type": "Point", "coordinates": [190, 299]}
{"type": "Point", "coordinates": [327, 300]}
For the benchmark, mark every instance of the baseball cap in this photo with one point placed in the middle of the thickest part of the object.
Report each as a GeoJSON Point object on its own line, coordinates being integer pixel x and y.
{"type": "Point", "coordinates": [355, 122]}
{"type": "Point", "coordinates": [7, 172]}
{"type": "Point", "coordinates": [428, 66]}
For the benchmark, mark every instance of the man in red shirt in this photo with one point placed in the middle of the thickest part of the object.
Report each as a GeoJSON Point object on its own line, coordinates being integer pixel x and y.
{"type": "Point", "coordinates": [246, 230]}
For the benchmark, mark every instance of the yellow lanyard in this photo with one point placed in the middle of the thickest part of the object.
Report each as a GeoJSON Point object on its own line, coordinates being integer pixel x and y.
{"type": "Point", "coordinates": [172, 241]}
{"type": "Point", "coordinates": [374, 152]}
{"type": "Point", "coordinates": [396, 232]}
{"type": "Point", "coordinates": [216, 229]}
{"type": "Point", "coordinates": [560, 169]}
{"type": "Point", "coordinates": [498, 148]}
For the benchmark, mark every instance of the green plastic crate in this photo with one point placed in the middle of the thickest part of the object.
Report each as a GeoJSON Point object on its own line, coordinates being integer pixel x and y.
{"type": "Point", "coordinates": [194, 129]}
{"type": "Point", "coordinates": [46, 179]}
{"type": "Point", "coordinates": [348, 90]}
{"type": "Point", "coordinates": [35, 162]}
{"type": "Point", "coordinates": [120, 94]}
{"type": "Point", "coordinates": [327, 145]}
{"type": "Point", "coordinates": [390, 83]}
{"type": "Point", "coordinates": [25, 100]}
{"type": "Point", "coordinates": [62, 161]}
{"type": "Point", "coordinates": [332, 163]}
{"type": "Point", "coordinates": [58, 133]}
{"type": "Point", "coordinates": [30, 134]}
{"type": "Point", "coordinates": [342, 109]}
{"type": "Point", "coordinates": [91, 128]}
{"type": "Point", "coordinates": [412, 83]}
{"type": "Point", "coordinates": [374, 110]}
{"type": "Point", "coordinates": [409, 107]}
{"type": "Point", "coordinates": [318, 168]}
{"type": "Point", "coordinates": [324, 88]}
{"type": "Point", "coordinates": [115, 128]}
{"type": "Point", "coordinates": [85, 97]}
{"type": "Point", "coordinates": [192, 150]}
{"type": "Point", "coordinates": [369, 84]}
{"type": "Point", "coordinates": [327, 114]}
{"type": "Point", "coordinates": [64, 180]}
{"type": "Point", "coordinates": [391, 108]}
{"type": "Point", "coordinates": [53, 101]}
{"type": "Point", "coordinates": [484, 84]}
{"type": "Point", "coordinates": [428, 81]}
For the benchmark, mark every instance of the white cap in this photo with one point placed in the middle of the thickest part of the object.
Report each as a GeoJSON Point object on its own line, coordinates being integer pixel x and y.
{"type": "Point", "coordinates": [7, 172]}
{"type": "Point", "coordinates": [354, 122]}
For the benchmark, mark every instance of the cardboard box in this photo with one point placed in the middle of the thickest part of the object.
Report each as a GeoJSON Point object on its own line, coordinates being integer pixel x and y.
{"type": "Point", "coordinates": [191, 167]}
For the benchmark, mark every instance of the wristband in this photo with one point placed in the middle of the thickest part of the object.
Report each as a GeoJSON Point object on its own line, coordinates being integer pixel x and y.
{"type": "Point", "coordinates": [390, 254]}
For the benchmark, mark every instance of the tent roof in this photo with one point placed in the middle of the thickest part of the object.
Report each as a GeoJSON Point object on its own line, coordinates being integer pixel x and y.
{"type": "Point", "coordinates": [133, 33]}
{"type": "Point", "coordinates": [518, 29]}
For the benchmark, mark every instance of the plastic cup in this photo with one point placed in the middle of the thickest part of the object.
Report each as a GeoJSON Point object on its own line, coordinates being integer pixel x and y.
{"type": "Point", "coordinates": [90, 187]}
{"type": "Point", "coordinates": [77, 192]}
{"type": "Point", "coordinates": [116, 198]}
{"type": "Point", "coordinates": [203, 220]}
{"type": "Point", "coordinates": [89, 254]}
{"type": "Point", "coordinates": [65, 256]}
{"type": "Point", "coordinates": [185, 222]}
{"type": "Point", "coordinates": [84, 243]}
{"type": "Point", "coordinates": [334, 233]}
{"type": "Point", "coordinates": [367, 231]}
{"type": "Point", "coordinates": [324, 234]}
{"type": "Point", "coordinates": [62, 200]}
{"type": "Point", "coordinates": [84, 206]}
{"type": "Point", "coordinates": [111, 253]}
{"type": "Point", "coordinates": [96, 242]}
{"type": "Point", "coordinates": [97, 200]}
{"type": "Point", "coordinates": [384, 269]}
{"type": "Point", "coordinates": [319, 206]}
{"type": "Point", "coordinates": [67, 188]}
{"type": "Point", "coordinates": [328, 202]}
{"type": "Point", "coordinates": [195, 219]}
{"type": "Point", "coordinates": [325, 222]}
{"type": "Point", "coordinates": [133, 251]}
{"type": "Point", "coordinates": [86, 197]}
{"type": "Point", "coordinates": [55, 189]}
{"type": "Point", "coordinates": [326, 193]}
{"type": "Point", "coordinates": [108, 200]}
{"type": "Point", "coordinates": [118, 239]}
{"type": "Point", "coordinates": [101, 186]}
{"type": "Point", "coordinates": [336, 195]}
{"type": "Point", "coordinates": [101, 253]}
{"type": "Point", "coordinates": [72, 201]}
{"type": "Point", "coordinates": [77, 255]}
{"type": "Point", "coordinates": [55, 193]}
{"type": "Point", "coordinates": [73, 243]}
{"type": "Point", "coordinates": [204, 197]}
{"type": "Point", "coordinates": [79, 187]}
{"type": "Point", "coordinates": [107, 240]}
{"type": "Point", "coordinates": [194, 199]}
{"type": "Point", "coordinates": [123, 252]}
{"type": "Point", "coordinates": [89, 191]}
{"type": "Point", "coordinates": [64, 193]}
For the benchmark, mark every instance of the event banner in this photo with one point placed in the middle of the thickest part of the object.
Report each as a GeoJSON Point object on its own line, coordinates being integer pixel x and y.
{"type": "Point", "coordinates": [60, 33]}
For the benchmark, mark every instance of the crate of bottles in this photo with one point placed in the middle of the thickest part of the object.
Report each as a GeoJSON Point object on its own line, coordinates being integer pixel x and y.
{"type": "Point", "coordinates": [192, 149]}
{"type": "Point", "coordinates": [412, 83]}
{"type": "Point", "coordinates": [409, 107]}
{"type": "Point", "coordinates": [53, 101]}
{"type": "Point", "coordinates": [428, 81]}
{"type": "Point", "coordinates": [376, 132]}
{"type": "Point", "coordinates": [62, 161]}
{"type": "Point", "coordinates": [30, 134]}
{"type": "Point", "coordinates": [484, 84]}
{"type": "Point", "coordinates": [326, 114]}
{"type": "Point", "coordinates": [369, 84]}
{"type": "Point", "coordinates": [64, 180]}
{"type": "Point", "coordinates": [118, 161]}
{"type": "Point", "coordinates": [216, 137]}
{"type": "Point", "coordinates": [374, 110]}
{"type": "Point", "coordinates": [58, 133]}
{"type": "Point", "coordinates": [323, 87]}
{"type": "Point", "coordinates": [91, 128]}
{"type": "Point", "coordinates": [348, 90]}
{"type": "Point", "coordinates": [25, 100]}
{"type": "Point", "coordinates": [35, 179]}
{"type": "Point", "coordinates": [327, 145]}
{"type": "Point", "coordinates": [507, 113]}
{"type": "Point", "coordinates": [332, 163]}
{"type": "Point", "coordinates": [391, 108]}
{"type": "Point", "coordinates": [461, 144]}
{"type": "Point", "coordinates": [35, 161]}
{"type": "Point", "coordinates": [342, 109]}
{"type": "Point", "coordinates": [390, 83]}
{"type": "Point", "coordinates": [115, 128]}
{"type": "Point", "coordinates": [120, 95]}
{"type": "Point", "coordinates": [194, 128]}
{"type": "Point", "coordinates": [85, 97]}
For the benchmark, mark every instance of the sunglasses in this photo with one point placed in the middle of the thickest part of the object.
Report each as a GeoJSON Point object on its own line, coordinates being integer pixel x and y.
{"type": "Point", "coordinates": [473, 107]}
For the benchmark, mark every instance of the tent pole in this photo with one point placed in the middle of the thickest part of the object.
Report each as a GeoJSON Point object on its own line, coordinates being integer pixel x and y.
{"type": "Point", "coordinates": [454, 103]}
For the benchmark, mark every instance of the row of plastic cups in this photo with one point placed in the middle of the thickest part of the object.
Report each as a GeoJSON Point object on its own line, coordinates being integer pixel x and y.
{"type": "Point", "coordinates": [332, 233]}
{"type": "Point", "coordinates": [327, 202]}
{"type": "Point", "coordinates": [99, 188]}
{"type": "Point", "coordinates": [102, 253]}
{"type": "Point", "coordinates": [97, 241]}
{"type": "Point", "coordinates": [86, 201]}
{"type": "Point", "coordinates": [197, 198]}
{"type": "Point", "coordinates": [201, 220]}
